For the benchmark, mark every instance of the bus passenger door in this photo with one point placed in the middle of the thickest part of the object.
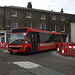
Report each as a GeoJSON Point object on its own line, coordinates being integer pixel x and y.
{"type": "Point", "coordinates": [34, 42]}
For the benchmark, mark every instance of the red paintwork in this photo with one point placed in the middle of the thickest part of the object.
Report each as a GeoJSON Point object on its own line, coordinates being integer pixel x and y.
{"type": "Point", "coordinates": [68, 47]}
{"type": "Point", "coordinates": [2, 45]}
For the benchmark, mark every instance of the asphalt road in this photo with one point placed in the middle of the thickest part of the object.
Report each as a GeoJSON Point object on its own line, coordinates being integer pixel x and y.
{"type": "Point", "coordinates": [44, 63]}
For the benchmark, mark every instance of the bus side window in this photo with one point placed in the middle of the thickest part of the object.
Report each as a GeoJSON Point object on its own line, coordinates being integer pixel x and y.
{"type": "Point", "coordinates": [58, 38]}
{"type": "Point", "coordinates": [28, 38]}
{"type": "Point", "coordinates": [52, 38]}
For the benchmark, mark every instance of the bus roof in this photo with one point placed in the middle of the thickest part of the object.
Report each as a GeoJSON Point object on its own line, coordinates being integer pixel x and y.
{"type": "Point", "coordinates": [33, 30]}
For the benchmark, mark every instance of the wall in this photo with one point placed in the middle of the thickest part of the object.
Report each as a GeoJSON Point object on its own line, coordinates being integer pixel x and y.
{"type": "Point", "coordinates": [72, 25]}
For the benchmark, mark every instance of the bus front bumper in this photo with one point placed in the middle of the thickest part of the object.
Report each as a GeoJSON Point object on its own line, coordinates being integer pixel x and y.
{"type": "Point", "coordinates": [16, 50]}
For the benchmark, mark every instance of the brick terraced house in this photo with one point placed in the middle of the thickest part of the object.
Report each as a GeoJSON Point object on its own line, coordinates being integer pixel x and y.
{"type": "Point", "coordinates": [15, 17]}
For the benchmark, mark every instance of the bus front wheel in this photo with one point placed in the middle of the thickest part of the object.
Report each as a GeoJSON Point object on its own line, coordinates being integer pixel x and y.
{"type": "Point", "coordinates": [27, 51]}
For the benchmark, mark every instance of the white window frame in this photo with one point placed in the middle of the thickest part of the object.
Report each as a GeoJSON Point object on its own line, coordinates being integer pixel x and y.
{"type": "Point", "coordinates": [14, 15]}
{"type": "Point", "coordinates": [43, 16]}
{"type": "Point", "coordinates": [62, 18]}
{"type": "Point", "coordinates": [41, 26]}
{"type": "Point", "coordinates": [53, 17]}
{"type": "Point", "coordinates": [28, 16]}
{"type": "Point", "coordinates": [64, 29]}
{"type": "Point", "coordinates": [55, 29]}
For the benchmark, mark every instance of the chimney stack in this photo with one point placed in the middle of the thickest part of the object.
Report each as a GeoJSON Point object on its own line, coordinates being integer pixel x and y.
{"type": "Point", "coordinates": [29, 5]}
{"type": "Point", "coordinates": [62, 11]}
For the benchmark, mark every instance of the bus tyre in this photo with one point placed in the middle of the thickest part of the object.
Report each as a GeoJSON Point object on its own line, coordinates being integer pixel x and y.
{"type": "Point", "coordinates": [27, 51]}
{"type": "Point", "coordinates": [11, 52]}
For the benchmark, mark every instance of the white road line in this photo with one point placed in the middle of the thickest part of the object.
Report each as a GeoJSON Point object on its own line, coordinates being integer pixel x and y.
{"type": "Point", "coordinates": [6, 51]}
{"type": "Point", "coordinates": [27, 64]}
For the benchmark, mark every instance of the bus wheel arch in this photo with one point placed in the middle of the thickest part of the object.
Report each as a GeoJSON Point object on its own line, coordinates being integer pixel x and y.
{"type": "Point", "coordinates": [28, 51]}
{"type": "Point", "coordinates": [11, 52]}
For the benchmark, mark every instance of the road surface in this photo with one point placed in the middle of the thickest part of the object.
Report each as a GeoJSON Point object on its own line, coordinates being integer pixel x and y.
{"type": "Point", "coordinates": [44, 63]}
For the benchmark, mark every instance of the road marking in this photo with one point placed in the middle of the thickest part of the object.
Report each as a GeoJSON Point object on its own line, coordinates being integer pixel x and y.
{"type": "Point", "coordinates": [36, 68]}
{"type": "Point", "coordinates": [27, 64]}
{"type": "Point", "coordinates": [6, 51]}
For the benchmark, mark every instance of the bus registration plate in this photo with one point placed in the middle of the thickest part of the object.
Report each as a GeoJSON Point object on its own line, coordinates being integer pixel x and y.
{"type": "Point", "coordinates": [14, 50]}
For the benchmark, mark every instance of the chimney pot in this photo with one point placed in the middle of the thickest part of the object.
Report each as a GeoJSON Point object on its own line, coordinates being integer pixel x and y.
{"type": "Point", "coordinates": [62, 10]}
{"type": "Point", "coordinates": [29, 5]}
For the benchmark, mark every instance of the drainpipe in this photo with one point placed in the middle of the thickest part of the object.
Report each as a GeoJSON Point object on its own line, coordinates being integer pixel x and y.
{"type": "Point", "coordinates": [4, 16]}
{"type": "Point", "coordinates": [50, 21]}
{"type": "Point", "coordinates": [4, 23]}
{"type": "Point", "coordinates": [5, 36]}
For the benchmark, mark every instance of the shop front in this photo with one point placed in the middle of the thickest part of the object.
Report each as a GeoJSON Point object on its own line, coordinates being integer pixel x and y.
{"type": "Point", "coordinates": [4, 36]}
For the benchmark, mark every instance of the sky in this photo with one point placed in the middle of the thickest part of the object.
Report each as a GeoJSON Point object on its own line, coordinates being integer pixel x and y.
{"type": "Point", "coordinates": [55, 5]}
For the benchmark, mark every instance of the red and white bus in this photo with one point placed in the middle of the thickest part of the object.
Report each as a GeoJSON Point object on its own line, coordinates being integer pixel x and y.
{"type": "Point", "coordinates": [28, 40]}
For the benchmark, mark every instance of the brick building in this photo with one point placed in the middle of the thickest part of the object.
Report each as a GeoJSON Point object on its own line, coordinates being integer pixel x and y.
{"type": "Point", "coordinates": [15, 17]}
{"type": "Point", "coordinates": [60, 22]}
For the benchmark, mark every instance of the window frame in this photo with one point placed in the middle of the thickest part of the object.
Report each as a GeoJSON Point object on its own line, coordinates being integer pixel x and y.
{"type": "Point", "coordinates": [14, 15]}
{"type": "Point", "coordinates": [53, 17]}
{"type": "Point", "coordinates": [63, 29]}
{"type": "Point", "coordinates": [62, 18]}
{"type": "Point", "coordinates": [54, 29]}
{"type": "Point", "coordinates": [42, 26]}
{"type": "Point", "coordinates": [43, 16]}
{"type": "Point", "coordinates": [28, 14]}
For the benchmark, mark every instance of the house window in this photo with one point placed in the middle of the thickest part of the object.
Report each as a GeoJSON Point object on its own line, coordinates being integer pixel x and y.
{"type": "Point", "coordinates": [53, 17]}
{"type": "Point", "coordinates": [28, 15]}
{"type": "Point", "coordinates": [53, 28]}
{"type": "Point", "coordinates": [62, 28]}
{"type": "Point", "coordinates": [42, 16]}
{"type": "Point", "coordinates": [29, 25]}
{"type": "Point", "coordinates": [14, 25]}
{"type": "Point", "coordinates": [62, 18]}
{"type": "Point", "coordinates": [42, 26]}
{"type": "Point", "coordinates": [14, 13]}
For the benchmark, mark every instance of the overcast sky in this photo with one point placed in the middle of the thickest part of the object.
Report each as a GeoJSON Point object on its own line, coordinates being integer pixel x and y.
{"type": "Point", "coordinates": [55, 5]}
